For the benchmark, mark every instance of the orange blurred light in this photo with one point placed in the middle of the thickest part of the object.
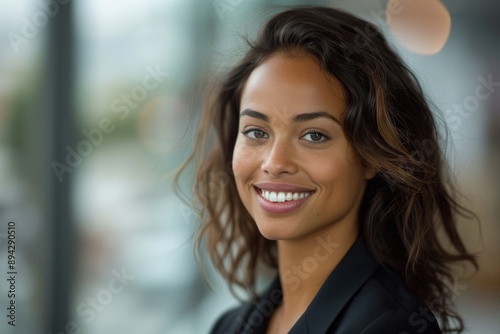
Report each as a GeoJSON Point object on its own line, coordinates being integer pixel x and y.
{"type": "Point", "coordinates": [423, 26]}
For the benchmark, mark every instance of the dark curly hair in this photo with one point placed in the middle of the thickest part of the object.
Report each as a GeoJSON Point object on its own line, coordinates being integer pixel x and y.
{"type": "Point", "coordinates": [409, 211]}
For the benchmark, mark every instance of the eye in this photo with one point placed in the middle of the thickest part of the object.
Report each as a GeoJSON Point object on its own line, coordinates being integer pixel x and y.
{"type": "Point", "coordinates": [255, 134]}
{"type": "Point", "coordinates": [315, 136]}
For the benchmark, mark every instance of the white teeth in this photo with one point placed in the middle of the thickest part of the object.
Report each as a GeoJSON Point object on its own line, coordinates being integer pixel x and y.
{"type": "Point", "coordinates": [273, 196]}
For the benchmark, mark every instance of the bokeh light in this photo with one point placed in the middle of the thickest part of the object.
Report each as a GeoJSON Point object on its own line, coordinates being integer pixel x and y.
{"type": "Point", "coordinates": [423, 26]}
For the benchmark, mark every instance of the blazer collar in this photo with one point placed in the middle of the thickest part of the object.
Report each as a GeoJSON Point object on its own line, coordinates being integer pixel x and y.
{"type": "Point", "coordinates": [344, 281]}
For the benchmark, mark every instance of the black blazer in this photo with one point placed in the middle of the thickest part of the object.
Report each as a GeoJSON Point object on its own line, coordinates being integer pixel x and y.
{"type": "Point", "coordinates": [359, 296]}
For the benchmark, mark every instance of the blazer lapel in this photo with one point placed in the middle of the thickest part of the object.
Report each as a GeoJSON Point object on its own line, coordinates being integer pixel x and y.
{"type": "Point", "coordinates": [340, 286]}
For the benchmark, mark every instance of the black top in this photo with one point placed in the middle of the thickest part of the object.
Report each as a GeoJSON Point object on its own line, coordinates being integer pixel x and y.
{"type": "Point", "coordinates": [359, 296]}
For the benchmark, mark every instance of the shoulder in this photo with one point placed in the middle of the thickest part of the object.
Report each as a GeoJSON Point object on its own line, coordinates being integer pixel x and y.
{"type": "Point", "coordinates": [252, 316]}
{"type": "Point", "coordinates": [386, 305]}
{"type": "Point", "coordinates": [233, 320]}
{"type": "Point", "coordinates": [403, 321]}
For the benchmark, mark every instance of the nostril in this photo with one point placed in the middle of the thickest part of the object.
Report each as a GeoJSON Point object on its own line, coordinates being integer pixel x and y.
{"type": "Point", "coordinates": [279, 160]}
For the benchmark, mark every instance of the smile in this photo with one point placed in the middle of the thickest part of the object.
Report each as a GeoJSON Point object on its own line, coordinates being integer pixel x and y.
{"type": "Point", "coordinates": [280, 201]}
{"type": "Point", "coordinates": [281, 197]}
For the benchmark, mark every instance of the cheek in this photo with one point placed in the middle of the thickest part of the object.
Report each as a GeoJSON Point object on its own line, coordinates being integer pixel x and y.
{"type": "Point", "coordinates": [325, 168]}
{"type": "Point", "coordinates": [242, 160]}
{"type": "Point", "coordinates": [335, 169]}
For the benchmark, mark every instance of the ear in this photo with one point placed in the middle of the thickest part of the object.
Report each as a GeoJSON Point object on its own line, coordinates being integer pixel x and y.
{"type": "Point", "coordinates": [369, 173]}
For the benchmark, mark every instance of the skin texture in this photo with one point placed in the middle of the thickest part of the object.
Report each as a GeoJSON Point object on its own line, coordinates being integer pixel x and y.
{"type": "Point", "coordinates": [282, 150]}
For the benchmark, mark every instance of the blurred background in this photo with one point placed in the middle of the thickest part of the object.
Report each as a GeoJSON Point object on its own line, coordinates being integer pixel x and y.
{"type": "Point", "coordinates": [97, 100]}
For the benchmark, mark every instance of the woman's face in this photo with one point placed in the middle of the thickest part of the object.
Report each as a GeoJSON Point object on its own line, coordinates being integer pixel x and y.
{"type": "Point", "coordinates": [295, 171]}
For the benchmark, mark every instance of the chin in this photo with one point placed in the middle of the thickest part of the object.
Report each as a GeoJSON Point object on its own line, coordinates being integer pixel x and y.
{"type": "Point", "coordinates": [275, 232]}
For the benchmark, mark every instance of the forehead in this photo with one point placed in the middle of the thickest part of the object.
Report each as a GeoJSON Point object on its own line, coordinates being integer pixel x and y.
{"type": "Point", "coordinates": [296, 84]}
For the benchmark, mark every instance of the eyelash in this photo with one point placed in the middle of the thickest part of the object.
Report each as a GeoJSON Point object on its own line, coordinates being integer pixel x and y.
{"type": "Point", "coordinates": [247, 131]}
{"type": "Point", "coordinates": [325, 137]}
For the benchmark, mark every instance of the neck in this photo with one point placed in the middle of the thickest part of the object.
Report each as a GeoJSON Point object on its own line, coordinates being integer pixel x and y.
{"type": "Point", "coordinates": [305, 264]}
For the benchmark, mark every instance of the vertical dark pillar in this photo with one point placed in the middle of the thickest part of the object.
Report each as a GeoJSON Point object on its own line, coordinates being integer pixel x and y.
{"type": "Point", "coordinates": [59, 111]}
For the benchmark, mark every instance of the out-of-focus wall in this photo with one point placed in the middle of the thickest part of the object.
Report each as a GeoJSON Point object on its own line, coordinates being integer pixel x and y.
{"type": "Point", "coordinates": [139, 73]}
{"type": "Point", "coordinates": [24, 250]}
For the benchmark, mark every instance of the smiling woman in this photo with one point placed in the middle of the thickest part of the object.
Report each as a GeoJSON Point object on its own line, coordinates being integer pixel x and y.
{"type": "Point", "coordinates": [296, 147]}
{"type": "Point", "coordinates": [318, 130]}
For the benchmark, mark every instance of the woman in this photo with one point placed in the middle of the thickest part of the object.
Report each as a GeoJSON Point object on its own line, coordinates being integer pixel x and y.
{"type": "Point", "coordinates": [326, 167]}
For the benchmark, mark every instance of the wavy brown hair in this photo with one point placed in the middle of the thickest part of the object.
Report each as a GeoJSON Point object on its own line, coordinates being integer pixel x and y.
{"type": "Point", "coordinates": [409, 212]}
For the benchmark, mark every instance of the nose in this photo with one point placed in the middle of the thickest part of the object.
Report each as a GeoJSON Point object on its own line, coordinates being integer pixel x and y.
{"type": "Point", "coordinates": [279, 159]}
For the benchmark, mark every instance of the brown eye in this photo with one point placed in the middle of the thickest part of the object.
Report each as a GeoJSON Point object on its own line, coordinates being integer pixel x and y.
{"type": "Point", "coordinates": [315, 137]}
{"type": "Point", "coordinates": [255, 134]}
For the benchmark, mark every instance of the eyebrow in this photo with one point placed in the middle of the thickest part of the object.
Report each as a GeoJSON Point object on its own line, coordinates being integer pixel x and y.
{"type": "Point", "coordinates": [297, 118]}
